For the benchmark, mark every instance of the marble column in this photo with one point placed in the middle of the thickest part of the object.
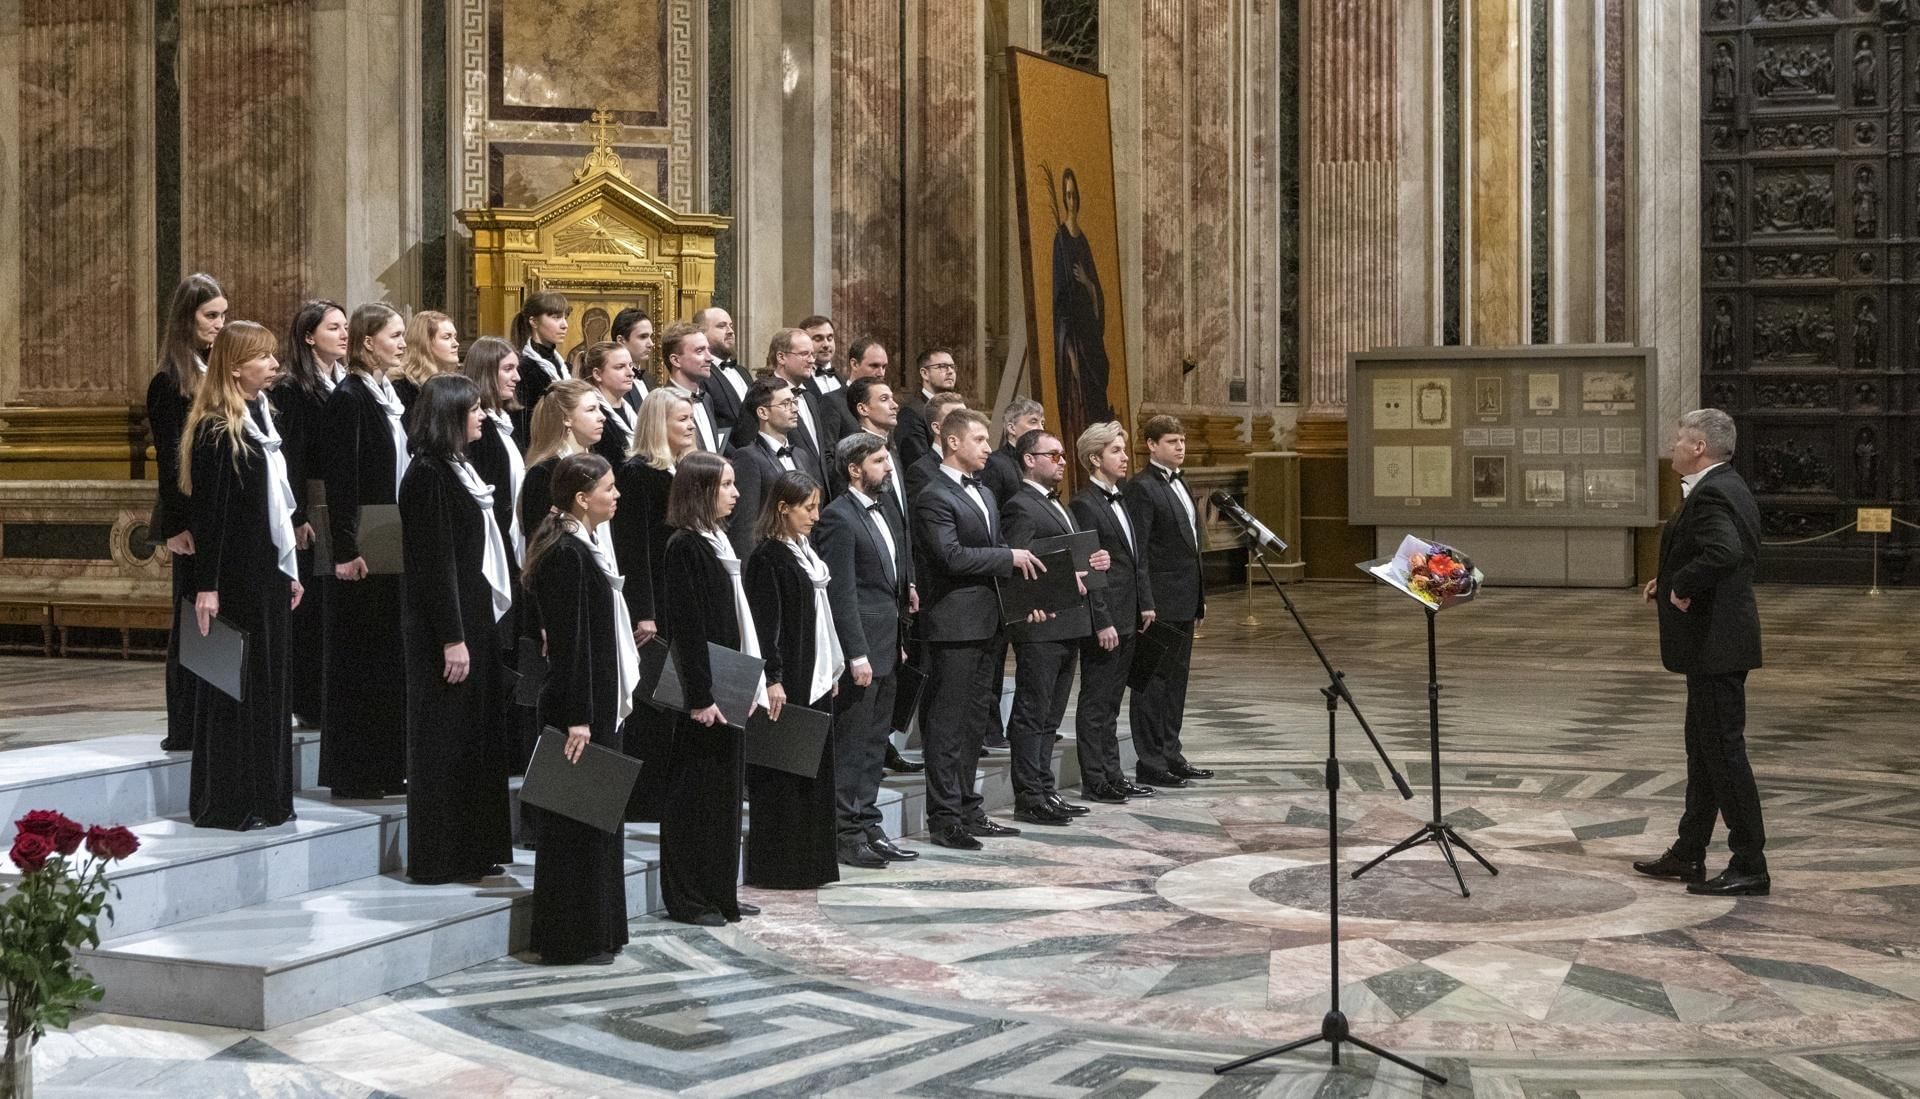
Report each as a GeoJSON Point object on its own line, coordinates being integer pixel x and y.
{"type": "Point", "coordinates": [1495, 170]}
{"type": "Point", "coordinates": [1577, 188]}
{"type": "Point", "coordinates": [945, 184]}
{"type": "Point", "coordinates": [1163, 214]}
{"type": "Point", "coordinates": [10, 39]}
{"type": "Point", "coordinates": [1663, 230]}
{"type": "Point", "coordinates": [866, 150]}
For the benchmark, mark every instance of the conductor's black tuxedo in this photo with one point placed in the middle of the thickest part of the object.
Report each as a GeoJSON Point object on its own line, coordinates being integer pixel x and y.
{"type": "Point", "coordinates": [1707, 555]}
{"type": "Point", "coordinates": [1103, 673]}
{"type": "Point", "coordinates": [1167, 531]}
{"type": "Point", "coordinates": [1043, 655]}
{"type": "Point", "coordinates": [958, 553]}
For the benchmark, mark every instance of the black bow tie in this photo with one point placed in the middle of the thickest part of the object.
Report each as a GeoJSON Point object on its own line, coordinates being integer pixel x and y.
{"type": "Point", "coordinates": [1173, 475]}
{"type": "Point", "coordinates": [824, 372]}
{"type": "Point", "coordinates": [697, 396]}
{"type": "Point", "coordinates": [783, 452]}
{"type": "Point", "coordinates": [875, 506]}
{"type": "Point", "coordinates": [1053, 494]}
{"type": "Point", "coordinates": [969, 482]}
{"type": "Point", "coordinates": [1112, 497]}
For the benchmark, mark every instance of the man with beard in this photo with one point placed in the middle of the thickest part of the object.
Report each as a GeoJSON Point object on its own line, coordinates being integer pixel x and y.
{"type": "Point", "coordinates": [727, 382]}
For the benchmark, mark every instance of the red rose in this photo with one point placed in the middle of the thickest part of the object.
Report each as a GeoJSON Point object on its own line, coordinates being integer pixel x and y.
{"type": "Point", "coordinates": [120, 843]}
{"type": "Point", "coordinates": [64, 832]}
{"type": "Point", "coordinates": [41, 822]}
{"type": "Point", "coordinates": [31, 851]}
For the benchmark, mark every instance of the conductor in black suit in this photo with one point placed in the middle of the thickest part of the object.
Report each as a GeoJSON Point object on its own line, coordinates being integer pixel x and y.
{"type": "Point", "coordinates": [760, 456]}
{"type": "Point", "coordinates": [958, 553]}
{"type": "Point", "coordinates": [1167, 522]}
{"type": "Point", "coordinates": [870, 558]}
{"type": "Point", "coordinates": [1710, 633]}
{"type": "Point", "coordinates": [1045, 652]}
{"type": "Point", "coordinates": [1118, 617]}
{"type": "Point", "coordinates": [1004, 473]}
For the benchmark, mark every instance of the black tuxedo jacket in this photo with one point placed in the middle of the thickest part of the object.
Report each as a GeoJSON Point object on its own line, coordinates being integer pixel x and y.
{"type": "Point", "coordinates": [1173, 589]}
{"type": "Point", "coordinates": [868, 586]}
{"type": "Point", "coordinates": [958, 553]}
{"type": "Point", "coordinates": [1707, 554]}
{"type": "Point", "coordinates": [803, 437]}
{"type": "Point", "coordinates": [1119, 605]}
{"type": "Point", "coordinates": [723, 404]}
{"type": "Point", "coordinates": [837, 421]}
{"type": "Point", "coordinates": [922, 471]}
{"type": "Point", "coordinates": [755, 469]}
{"type": "Point", "coordinates": [1030, 515]}
{"type": "Point", "coordinates": [912, 431]}
{"type": "Point", "coordinates": [1003, 473]}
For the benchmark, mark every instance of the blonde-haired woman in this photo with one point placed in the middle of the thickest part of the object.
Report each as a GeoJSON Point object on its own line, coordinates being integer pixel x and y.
{"type": "Point", "coordinates": [433, 347]}
{"type": "Point", "coordinates": [665, 435]}
{"type": "Point", "coordinates": [567, 421]}
{"type": "Point", "coordinates": [363, 735]}
{"type": "Point", "coordinates": [241, 515]}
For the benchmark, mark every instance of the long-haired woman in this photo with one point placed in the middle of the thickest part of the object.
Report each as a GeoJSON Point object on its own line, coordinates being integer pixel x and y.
{"type": "Point", "coordinates": [703, 601]}
{"type": "Point", "coordinates": [458, 587]}
{"type": "Point", "coordinates": [234, 472]}
{"type": "Point", "coordinates": [567, 422]}
{"type": "Point", "coordinates": [312, 363]}
{"type": "Point", "coordinates": [433, 347]}
{"type": "Point", "coordinates": [791, 844]}
{"type": "Point", "coordinates": [194, 317]}
{"type": "Point", "coordinates": [538, 331]}
{"type": "Point", "coordinates": [494, 367]}
{"type": "Point", "coordinates": [640, 532]}
{"type": "Point", "coordinates": [363, 735]}
{"type": "Point", "coordinates": [579, 891]}
{"type": "Point", "coordinates": [608, 368]}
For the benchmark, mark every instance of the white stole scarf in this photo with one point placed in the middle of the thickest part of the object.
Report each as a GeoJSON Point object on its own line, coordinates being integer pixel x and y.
{"type": "Point", "coordinates": [546, 364]}
{"type": "Point", "coordinates": [829, 660]}
{"type": "Point", "coordinates": [626, 653]}
{"type": "Point", "coordinates": [622, 411]}
{"type": "Point", "coordinates": [516, 473]}
{"type": "Point", "coordinates": [493, 564]}
{"type": "Point", "coordinates": [390, 403]}
{"type": "Point", "coordinates": [331, 377]}
{"type": "Point", "coordinates": [742, 610]}
{"type": "Point", "coordinates": [279, 491]}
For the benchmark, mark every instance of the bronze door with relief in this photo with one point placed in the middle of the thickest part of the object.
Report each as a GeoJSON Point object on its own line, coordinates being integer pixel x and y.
{"type": "Point", "coordinates": [1808, 232]}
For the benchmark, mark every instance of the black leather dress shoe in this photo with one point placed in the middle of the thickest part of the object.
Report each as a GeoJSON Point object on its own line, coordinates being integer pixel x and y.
{"type": "Point", "coordinates": [746, 909]}
{"type": "Point", "coordinates": [1133, 789]}
{"type": "Point", "coordinates": [1110, 795]}
{"type": "Point", "coordinates": [991, 828]}
{"type": "Point", "coordinates": [1733, 883]}
{"type": "Point", "coordinates": [1061, 805]}
{"type": "Point", "coordinates": [901, 765]}
{"type": "Point", "coordinates": [1670, 865]}
{"type": "Point", "coordinates": [994, 742]}
{"type": "Point", "coordinates": [1187, 770]}
{"type": "Point", "coordinates": [862, 856]}
{"type": "Point", "coordinates": [1150, 777]}
{"type": "Point", "coordinates": [1041, 814]}
{"type": "Point", "coordinates": [956, 837]}
{"type": "Point", "coordinates": [891, 851]}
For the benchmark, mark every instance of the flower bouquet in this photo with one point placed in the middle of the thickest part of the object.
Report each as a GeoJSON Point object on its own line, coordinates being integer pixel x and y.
{"type": "Point", "coordinates": [45, 917]}
{"type": "Point", "coordinates": [1434, 573]}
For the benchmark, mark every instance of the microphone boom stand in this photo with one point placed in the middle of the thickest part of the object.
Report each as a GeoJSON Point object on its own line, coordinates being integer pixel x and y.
{"type": "Point", "coordinates": [1334, 1028]}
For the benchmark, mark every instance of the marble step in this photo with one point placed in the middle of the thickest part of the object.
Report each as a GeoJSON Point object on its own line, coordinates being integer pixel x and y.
{"type": "Point", "coordinates": [271, 963]}
{"type": "Point", "coordinates": [182, 873]}
{"type": "Point", "coordinates": [114, 779]}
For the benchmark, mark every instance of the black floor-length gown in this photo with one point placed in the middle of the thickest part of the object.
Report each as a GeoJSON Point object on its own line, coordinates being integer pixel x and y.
{"type": "Point", "coordinates": [166, 418]}
{"type": "Point", "coordinates": [579, 884]}
{"type": "Point", "coordinates": [302, 419]}
{"type": "Point", "coordinates": [640, 534]}
{"type": "Point", "coordinates": [791, 834]}
{"type": "Point", "coordinates": [700, 822]}
{"type": "Point", "coordinates": [364, 730]}
{"type": "Point", "coordinates": [489, 455]}
{"type": "Point", "coordinates": [242, 751]}
{"type": "Point", "coordinates": [458, 820]}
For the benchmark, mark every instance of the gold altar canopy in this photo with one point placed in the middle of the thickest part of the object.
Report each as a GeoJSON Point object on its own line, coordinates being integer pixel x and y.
{"type": "Point", "coordinates": [602, 242]}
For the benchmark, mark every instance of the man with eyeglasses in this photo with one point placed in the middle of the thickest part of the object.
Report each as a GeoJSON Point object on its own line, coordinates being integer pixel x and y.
{"type": "Point", "coordinates": [938, 374]}
{"type": "Point", "coordinates": [790, 358]}
{"type": "Point", "coordinates": [829, 389]}
{"type": "Point", "coordinates": [1044, 652]}
{"type": "Point", "coordinates": [760, 456]}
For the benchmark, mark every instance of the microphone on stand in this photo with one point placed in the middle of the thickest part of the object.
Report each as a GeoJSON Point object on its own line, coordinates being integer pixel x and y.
{"type": "Point", "coordinates": [1254, 528]}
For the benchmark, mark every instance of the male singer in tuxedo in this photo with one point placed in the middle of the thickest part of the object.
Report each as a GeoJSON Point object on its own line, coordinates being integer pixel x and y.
{"type": "Point", "coordinates": [727, 382]}
{"type": "Point", "coordinates": [790, 358]}
{"type": "Point", "coordinates": [870, 401]}
{"type": "Point", "coordinates": [917, 422]}
{"type": "Point", "coordinates": [633, 330]}
{"type": "Point", "coordinates": [1043, 653]}
{"type": "Point", "coordinates": [1003, 473]}
{"type": "Point", "coordinates": [829, 389]}
{"type": "Point", "coordinates": [1166, 522]}
{"type": "Point", "coordinates": [683, 347]}
{"type": "Point", "coordinates": [922, 470]}
{"type": "Point", "coordinates": [958, 553]}
{"type": "Point", "coordinates": [760, 457]}
{"type": "Point", "coordinates": [867, 358]}
{"type": "Point", "coordinates": [1106, 657]}
{"type": "Point", "coordinates": [1710, 633]}
{"type": "Point", "coordinates": [865, 545]}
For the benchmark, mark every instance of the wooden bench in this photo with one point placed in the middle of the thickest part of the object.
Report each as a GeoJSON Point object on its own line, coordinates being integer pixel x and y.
{"type": "Point", "coordinates": [123, 617]}
{"type": "Point", "coordinates": [31, 613]}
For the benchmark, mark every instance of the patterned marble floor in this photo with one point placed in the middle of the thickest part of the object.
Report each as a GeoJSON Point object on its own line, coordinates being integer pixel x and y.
{"type": "Point", "coordinates": [1127, 954]}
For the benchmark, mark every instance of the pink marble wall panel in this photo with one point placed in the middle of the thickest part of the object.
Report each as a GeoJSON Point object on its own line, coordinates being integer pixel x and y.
{"type": "Point", "coordinates": [1614, 76]}
{"type": "Point", "coordinates": [943, 188]}
{"type": "Point", "coordinates": [1164, 223]}
{"type": "Point", "coordinates": [866, 176]}
{"type": "Point", "coordinates": [245, 142]}
{"type": "Point", "coordinates": [75, 198]}
{"type": "Point", "coordinates": [1212, 249]}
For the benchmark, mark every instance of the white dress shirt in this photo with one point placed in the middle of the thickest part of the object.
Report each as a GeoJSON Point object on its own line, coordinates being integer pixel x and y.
{"type": "Point", "coordinates": [972, 491]}
{"type": "Point", "coordinates": [1186, 499]}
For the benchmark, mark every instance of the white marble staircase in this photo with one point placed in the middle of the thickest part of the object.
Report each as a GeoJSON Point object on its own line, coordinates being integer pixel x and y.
{"type": "Point", "coordinates": [262, 928]}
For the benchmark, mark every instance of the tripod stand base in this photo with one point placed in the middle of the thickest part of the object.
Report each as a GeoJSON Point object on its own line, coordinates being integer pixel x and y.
{"type": "Point", "coordinates": [1440, 834]}
{"type": "Point", "coordinates": [1333, 1031]}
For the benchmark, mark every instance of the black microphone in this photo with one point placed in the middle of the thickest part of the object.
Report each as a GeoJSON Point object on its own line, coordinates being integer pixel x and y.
{"type": "Point", "coordinates": [1254, 528]}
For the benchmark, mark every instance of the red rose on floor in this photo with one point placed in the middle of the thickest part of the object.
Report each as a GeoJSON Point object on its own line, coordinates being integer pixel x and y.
{"type": "Point", "coordinates": [31, 851]}
{"type": "Point", "coordinates": [118, 841]}
{"type": "Point", "coordinates": [61, 830]}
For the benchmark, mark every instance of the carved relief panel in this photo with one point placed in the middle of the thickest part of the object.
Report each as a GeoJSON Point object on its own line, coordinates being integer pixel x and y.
{"type": "Point", "coordinates": [1810, 223]}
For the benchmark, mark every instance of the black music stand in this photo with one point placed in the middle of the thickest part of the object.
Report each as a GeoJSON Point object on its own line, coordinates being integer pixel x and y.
{"type": "Point", "coordinates": [1435, 831]}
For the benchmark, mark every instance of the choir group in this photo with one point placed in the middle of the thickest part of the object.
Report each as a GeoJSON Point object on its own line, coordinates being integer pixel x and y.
{"type": "Point", "coordinates": [571, 510]}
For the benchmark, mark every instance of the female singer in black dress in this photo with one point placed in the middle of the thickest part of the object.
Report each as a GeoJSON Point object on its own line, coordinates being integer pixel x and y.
{"type": "Point", "coordinates": [538, 331]}
{"type": "Point", "coordinates": [433, 347]}
{"type": "Point", "coordinates": [194, 318]}
{"type": "Point", "coordinates": [791, 842]}
{"type": "Point", "coordinates": [579, 887]}
{"type": "Point", "coordinates": [567, 422]}
{"type": "Point", "coordinates": [235, 474]}
{"type": "Point", "coordinates": [703, 600]}
{"type": "Point", "coordinates": [310, 366]}
{"type": "Point", "coordinates": [666, 434]}
{"type": "Point", "coordinates": [494, 368]}
{"type": "Point", "coordinates": [458, 586]}
{"type": "Point", "coordinates": [364, 731]}
{"type": "Point", "coordinates": [608, 368]}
